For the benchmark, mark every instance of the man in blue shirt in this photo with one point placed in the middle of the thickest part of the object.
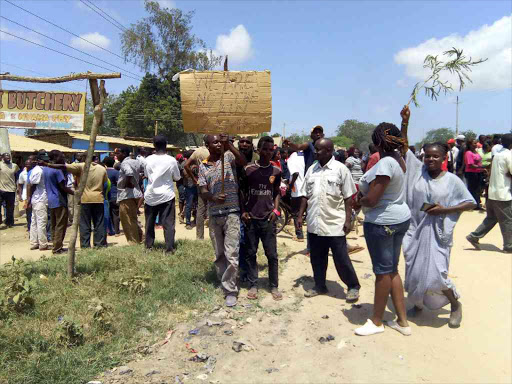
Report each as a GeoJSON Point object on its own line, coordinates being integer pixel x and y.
{"type": "Point", "coordinates": [113, 175]}
{"type": "Point", "coordinates": [57, 191]}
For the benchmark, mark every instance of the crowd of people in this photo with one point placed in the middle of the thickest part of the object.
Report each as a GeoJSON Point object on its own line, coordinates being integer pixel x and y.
{"type": "Point", "coordinates": [410, 200]}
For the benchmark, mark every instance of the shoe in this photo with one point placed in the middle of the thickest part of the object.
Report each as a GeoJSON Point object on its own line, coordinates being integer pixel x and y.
{"type": "Point", "coordinates": [352, 295]}
{"type": "Point", "coordinates": [276, 295]}
{"type": "Point", "coordinates": [44, 248]}
{"type": "Point", "coordinates": [406, 331]}
{"type": "Point", "coordinates": [59, 252]}
{"type": "Point", "coordinates": [369, 329]}
{"type": "Point", "coordinates": [456, 317]}
{"type": "Point", "coordinates": [34, 247]}
{"type": "Point", "coordinates": [315, 291]}
{"type": "Point", "coordinates": [473, 241]}
{"type": "Point", "coordinates": [230, 300]}
{"type": "Point", "coordinates": [188, 226]}
{"type": "Point", "coordinates": [253, 293]}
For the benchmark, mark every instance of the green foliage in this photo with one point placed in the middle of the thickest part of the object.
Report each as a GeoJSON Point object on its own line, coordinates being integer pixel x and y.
{"type": "Point", "coordinates": [342, 141]}
{"type": "Point", "coordinates": [276, 135]}
{"type": "Point", "coordinates": [359, 132]}
{"type": "Point", "coordinates": [298, 139]}
{"type": "Point", "coordinates": [164, 42]}
{"type": "Point", "coordinates": [433, 86]}
{"type": "Point", "coordinates": [17, 289]}
{"type": "Point", "coordinates": [437, 135]}
{"type": "Point", "coordinates": [135, 284]}
{"type": "Point", "coordinates": [470, 135]}
{"type": "Point", "coordinates": [31, 343]}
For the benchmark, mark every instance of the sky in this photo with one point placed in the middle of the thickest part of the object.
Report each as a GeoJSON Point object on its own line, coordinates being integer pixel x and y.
{"type": "Point", "coordinates": [330, 60]}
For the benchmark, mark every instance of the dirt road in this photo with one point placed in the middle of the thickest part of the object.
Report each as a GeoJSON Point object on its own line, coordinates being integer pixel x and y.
{"type": "Point", "coordinates": [285, 335]}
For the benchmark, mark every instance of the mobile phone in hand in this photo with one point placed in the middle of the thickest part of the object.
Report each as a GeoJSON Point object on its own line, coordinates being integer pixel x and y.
{"type": "Point", "coordinates": [426, 206]}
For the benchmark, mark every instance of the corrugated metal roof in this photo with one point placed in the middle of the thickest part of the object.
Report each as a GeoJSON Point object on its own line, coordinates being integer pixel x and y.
{"type": "Point", "coordinates": [116, 140]}
{"type": "Point", "coordinates": [20, 143]}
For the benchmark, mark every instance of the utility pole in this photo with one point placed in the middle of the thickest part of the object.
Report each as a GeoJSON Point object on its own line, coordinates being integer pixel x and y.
{"type": "Point", "coordinates": [457, 118]}
{"type": "Point", "coordinates": [4, 136]}
{"type": "Point", "coordinates": [284, 130]}
{"type": "Point", "coordinates": [156, 127]}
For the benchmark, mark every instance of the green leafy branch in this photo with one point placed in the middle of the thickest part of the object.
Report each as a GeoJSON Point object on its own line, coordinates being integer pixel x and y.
{"type": "Point", "coordinates": [433, 85]}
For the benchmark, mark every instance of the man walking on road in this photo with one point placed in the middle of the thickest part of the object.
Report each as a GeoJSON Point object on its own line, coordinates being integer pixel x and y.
{"type": "Point", "coordinates": [8, 188]}
{"type": "Point", "coordinates": [224, 210]}
{"type": "Point", "coordinates": [128, 195]}
{"type": "Point", "coordinates": [162, 171]}
{"type": "Point", "coordinates": [328, 189]}
{"type": "Point", "coordinates": [499, 204]}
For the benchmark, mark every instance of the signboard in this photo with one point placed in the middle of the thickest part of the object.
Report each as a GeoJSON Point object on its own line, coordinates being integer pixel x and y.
{"type": "Point", "coordinates": [226, 101]}
{"type": "Point", "coordinates": [60, 111]}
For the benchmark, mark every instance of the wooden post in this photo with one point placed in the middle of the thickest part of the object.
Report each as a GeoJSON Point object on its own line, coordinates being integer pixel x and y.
{"type": "Point", "coordinates": [98, 97]}
{"type": "Point", "coordinates": [156, 127]}
{"type": "Point", "coordinates": [222, 152]}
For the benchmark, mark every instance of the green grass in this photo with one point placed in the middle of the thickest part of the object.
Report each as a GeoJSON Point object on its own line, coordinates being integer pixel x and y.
{"type": "Point", "coordinates": [32, 345]}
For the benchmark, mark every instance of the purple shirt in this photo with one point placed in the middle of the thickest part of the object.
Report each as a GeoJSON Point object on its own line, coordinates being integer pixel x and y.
{"type": "Point", "coordinates": [52, 178]}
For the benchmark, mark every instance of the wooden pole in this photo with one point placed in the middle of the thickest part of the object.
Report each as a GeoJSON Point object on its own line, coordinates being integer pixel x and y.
{"type": "Point", "coordinates": [222, 152]}
{"type": "Point", "coordinates": [98, 97]}
{"type": "Point", "coordinates": [4, 137]}
{"type": "Point", "coordinates": [62, 79]}
{"type": "Point", "coordinates": [156, 127]}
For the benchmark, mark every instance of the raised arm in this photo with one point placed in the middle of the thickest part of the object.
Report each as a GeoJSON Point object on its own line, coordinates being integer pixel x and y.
{"type": "Point", "coordinates": [295, 147]}
{"type": "Point", "coordinates": [405, 113]}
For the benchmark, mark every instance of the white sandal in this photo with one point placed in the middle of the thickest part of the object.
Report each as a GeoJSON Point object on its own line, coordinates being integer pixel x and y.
{"type": "Point", "coordinates": [406, 331]}
{"type": "Point", "coordinates": [369, 329]}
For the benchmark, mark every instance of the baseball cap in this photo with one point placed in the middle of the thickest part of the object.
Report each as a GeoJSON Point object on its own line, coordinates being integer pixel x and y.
{"type": "Point", "coordinates": [179, 156]}
{"type": "Point", "coordinates": [451, 141]}
{"type": "Point", "coordinates": [461, 137]}
{"type": "Point", "coordinates": [317, 127]}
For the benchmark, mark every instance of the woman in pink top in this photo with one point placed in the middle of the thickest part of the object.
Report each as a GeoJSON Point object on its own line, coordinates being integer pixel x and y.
{"type": "Point", "coordinates": [474, 172]}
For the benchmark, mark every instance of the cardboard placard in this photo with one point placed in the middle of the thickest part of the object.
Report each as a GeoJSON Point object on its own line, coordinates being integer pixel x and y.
{"type": "Point", "coordinates": [60, 111]}
{"type": "Point", "coordinates": [235, 102]}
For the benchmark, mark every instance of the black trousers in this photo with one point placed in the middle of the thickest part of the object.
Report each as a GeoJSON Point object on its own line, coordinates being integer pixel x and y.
{"type": "Point", "coordinates": [265, 231]}
{"type": "Point", "coordinates": [9, 198]}
{"type": "Point", "coordinates": [475, 181]}
{"type": "Point", "coordinates": [114, 216]}
{"type": "Point", "coordinates": [95, 213]}
{"type": "Point", "coordinates": [319, 248]}
{"type": "Point", "coordinates": [167, 213]}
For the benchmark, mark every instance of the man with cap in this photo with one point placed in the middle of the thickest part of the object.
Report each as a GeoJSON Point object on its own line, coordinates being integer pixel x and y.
{"type": "Point", "coordinates": [458, 155]}
{"type": "Point", "coordinates": [308, 148]}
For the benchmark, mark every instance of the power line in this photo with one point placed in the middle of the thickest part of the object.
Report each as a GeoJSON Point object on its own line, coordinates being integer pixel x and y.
{"type": "Point", "coordinates": [69, 46]}
{"type": "Point", "coordinates": [115, 23]}
{"type": "Point", "coordinates": [64, 29]}
{"type": "Point", "coordinates": [62, 53]}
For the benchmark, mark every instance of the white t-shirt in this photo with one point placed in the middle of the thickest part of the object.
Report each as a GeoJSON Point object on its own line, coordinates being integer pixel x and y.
{"type": "Point", "coordinates": [161, 171]}
{"type": "Point", "coordinates": [296, 164]}
{"type": "Point", "coordinates": [497, 148]}
{"type": "Point", "coordinates": [36, 178]}
{"type": "Point", "coordinates": [500, 182]}
{"type": "Point", "coordinates": [22, 180]}
{"type": "Point", "coordinates": [391, 208]}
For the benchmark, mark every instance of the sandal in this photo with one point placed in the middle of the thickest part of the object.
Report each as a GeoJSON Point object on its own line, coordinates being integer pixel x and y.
{"type": "Point", "coordinates": [253, 293]}
{"type": "Point", "coordinates": [276, 295]}
{"type": "Point", "coordinates": [355, 249]}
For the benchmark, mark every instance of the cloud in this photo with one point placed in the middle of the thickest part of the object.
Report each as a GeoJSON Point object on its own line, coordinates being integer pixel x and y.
{"type": "Point", "coordinates": [493, 42]}
{"type": "Point", "coordinates": [94, 37]}
{"type": "Point", "coordinates": [237, 45]}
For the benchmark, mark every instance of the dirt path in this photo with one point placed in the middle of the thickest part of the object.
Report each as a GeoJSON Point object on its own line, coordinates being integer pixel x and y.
{"type": "Point", "coordinates": [285, 335]}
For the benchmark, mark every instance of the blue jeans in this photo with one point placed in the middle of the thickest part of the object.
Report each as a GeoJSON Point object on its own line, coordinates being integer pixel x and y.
{"type": "Point", "coordinates": [384, 244]}
{"type": "Point", "coordinates": [190, 196]}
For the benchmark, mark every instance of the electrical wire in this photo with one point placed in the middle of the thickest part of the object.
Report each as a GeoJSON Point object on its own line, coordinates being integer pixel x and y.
{"type": "Point", "coordinates": [115, 23]}
{"type": "Point", "coordinates": [62, 53]}
{"type": "Point", "coordinates": [69, 46]}
{"type": "Point", "coordinates": [64, 29]}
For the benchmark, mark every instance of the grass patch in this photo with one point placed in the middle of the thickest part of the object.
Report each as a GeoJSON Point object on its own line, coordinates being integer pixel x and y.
{"type": "Point", "coordinates": [75, 330]}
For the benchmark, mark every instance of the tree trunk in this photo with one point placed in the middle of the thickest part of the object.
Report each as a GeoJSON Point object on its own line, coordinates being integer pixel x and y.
{"type": "Point", "coordinates": [98, 99]}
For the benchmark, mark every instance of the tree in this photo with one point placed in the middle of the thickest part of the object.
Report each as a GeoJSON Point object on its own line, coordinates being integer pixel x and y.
{"type": "Point", "coordinates": [470, 135]}
{"type": "Point", "coordinates": [342, 141]}
{"type": "Point", "coordinates": [276, 135]}
{"type": "Point", "coordinates": [111, 108]}
{"type": "Point", "coordinates": [164, 42]}
{"type": "Point", "coordinates": [359, 132]}
{"type": "Point", "coordinates": [437, 135]}
{"type": "Point", "coordinates": [298, 139]}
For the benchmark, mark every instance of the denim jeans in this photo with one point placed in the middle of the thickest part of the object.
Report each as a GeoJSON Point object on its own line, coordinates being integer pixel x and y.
{"type": "Point", "coordinates": [265, 231]}
{"type": "Point", "coordinates": [190, 196]}
{"type": "Point", "coordinates": [384, 244]}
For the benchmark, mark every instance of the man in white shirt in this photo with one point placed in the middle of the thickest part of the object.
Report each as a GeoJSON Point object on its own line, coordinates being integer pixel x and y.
{"type": "Point", "coordinates": [159, 199]}
{"type": "Point", "coordinates": [23, 187]}
{"type": "Point", "coordinates": [296, 166]}
{"type": "Point", "coordinates": [38, 202]}
{"type": "Point", "coordinates": [499, 204]}
{"type": "Point", "coordinates": [327, 191]}
{"type": "Point", "coordinates": [496, 145]}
